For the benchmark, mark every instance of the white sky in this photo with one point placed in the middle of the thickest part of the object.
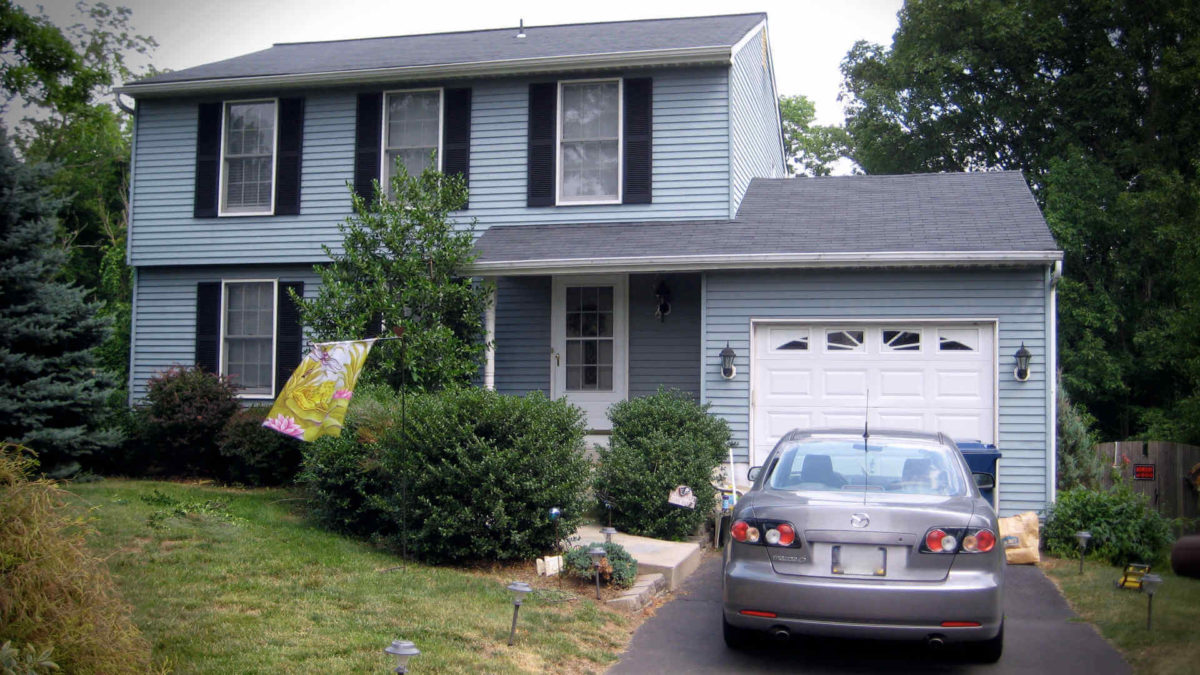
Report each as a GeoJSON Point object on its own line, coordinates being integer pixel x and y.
{"type": "Point", "coordinates": [809, 38]}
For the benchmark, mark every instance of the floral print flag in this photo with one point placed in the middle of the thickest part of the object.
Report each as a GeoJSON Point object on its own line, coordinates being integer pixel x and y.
{"type": "Point", "coordinates": [313, 403]}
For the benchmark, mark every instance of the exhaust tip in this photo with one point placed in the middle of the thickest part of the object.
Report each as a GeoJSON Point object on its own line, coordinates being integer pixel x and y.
{"type": "Point", "coordinates": [935, 641]}
{"type": "Point", "coordinates": [780, 634]}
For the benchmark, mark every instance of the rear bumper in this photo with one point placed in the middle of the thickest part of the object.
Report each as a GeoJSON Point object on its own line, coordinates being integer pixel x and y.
{"type": "Point", "coordinates": [864, 608]}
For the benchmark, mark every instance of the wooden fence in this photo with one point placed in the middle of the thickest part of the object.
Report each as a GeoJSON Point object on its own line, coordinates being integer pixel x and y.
{"type": "Point", "coordinates": [1159, 470]}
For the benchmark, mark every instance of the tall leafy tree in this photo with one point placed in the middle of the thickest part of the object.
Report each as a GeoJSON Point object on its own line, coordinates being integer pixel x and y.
{"type": "Point", "coordinates": [1095, 100]}
{"type": "Point", "coordinates": [52, 395]}
{"type": "Point", "coordinates": [811, 149]}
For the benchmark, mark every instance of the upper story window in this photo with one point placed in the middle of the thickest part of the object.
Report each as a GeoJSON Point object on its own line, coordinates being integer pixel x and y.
{"type": "Point", "coordinates": [412, 132]}
{"type": "Point", "coordinates": [248, 157]}
{"type": "Point", "coordinates": [589, 149]}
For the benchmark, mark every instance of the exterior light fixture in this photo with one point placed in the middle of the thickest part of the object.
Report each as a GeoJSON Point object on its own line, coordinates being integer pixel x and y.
{"type": "Point", "coordinates": [608, 532]}
{"type": "Point", "coordinates": [1023, 356]}
{"type": "Point", "coordinates": [662, 301]}
{"type": "Point", "coordinates": [403, 650]}
{"type": "Point", "coordinates": [1083, 537]}
{"type": "Point", "coordinates": [727, 357]}
{"type": "Point", "coordinates": [518, 589]}
{"type": "Point", "coordinates": [597, 553]}
{"type": "Point", "coordinates": [1150, 584]}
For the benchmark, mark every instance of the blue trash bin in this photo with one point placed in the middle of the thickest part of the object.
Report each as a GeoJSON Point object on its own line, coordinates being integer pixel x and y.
{"type": "Point", "coordinates": [982, 458]}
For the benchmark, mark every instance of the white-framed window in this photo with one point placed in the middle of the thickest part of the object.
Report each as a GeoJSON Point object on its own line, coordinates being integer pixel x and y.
{"type": "Point", "coordinates": [249, 131]}
{"type": "Point", "coordinates": [845, 340]}
{"type": "Point", "coordinates": [248, 311]}
{"type": "Point", "coordinates": [589, 141]}
{"type": "Point", "coordinates": [412, 131]}
{"type": "Point", "coordinates": [900, 340]}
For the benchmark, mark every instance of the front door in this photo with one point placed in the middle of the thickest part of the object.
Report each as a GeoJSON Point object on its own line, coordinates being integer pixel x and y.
{"type": "Point", "coordinates": [590, 343]}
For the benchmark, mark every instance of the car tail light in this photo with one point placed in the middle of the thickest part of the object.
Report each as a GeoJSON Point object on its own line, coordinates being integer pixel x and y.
{"type": "Point", "coordinates": [766, 532]}
{"type": "Point", "coordinates": [960, 624]}
{"type": "Point", "coordinates": [958, 540]}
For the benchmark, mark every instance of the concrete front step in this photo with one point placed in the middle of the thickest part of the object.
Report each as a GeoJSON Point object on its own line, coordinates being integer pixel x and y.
{"type": "Point", "coordinates": [674, 560]}
{"type": "Point", "coordinates": [645, 589]}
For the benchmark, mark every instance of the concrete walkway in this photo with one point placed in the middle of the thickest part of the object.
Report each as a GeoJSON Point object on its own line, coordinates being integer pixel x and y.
{"type": "Point", "coordinates": [1042, 635]}
{"type": "Point", "coordinates": [675, 560]}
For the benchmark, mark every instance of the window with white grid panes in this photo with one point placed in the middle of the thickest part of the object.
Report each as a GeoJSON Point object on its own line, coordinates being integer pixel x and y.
{"type": "Point", "coordinates": [412, 132]}
{"type": "Point", "coordinates": [590, 146]}
{"type": "Point", "coordinates": [248, 344]}
{"type": "Point", "coordinates": [589, 338]}
{"type": "Point", "coordinates": [248, 151]}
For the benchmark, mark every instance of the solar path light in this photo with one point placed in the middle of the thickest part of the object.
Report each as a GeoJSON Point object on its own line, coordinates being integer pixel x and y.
{"type": "Point", "coordinates": [403, 650]}
{"type": "Point", "coordinates": [597, 554]}
{"type": "Point", "coordinates": [1083, 537]}
{"type": "Point", "coordinates": [518, 590]}
{"type": "Point", "coordinates": [1150, 584]}
{"type": "Point", "coordinates": [608, 532]}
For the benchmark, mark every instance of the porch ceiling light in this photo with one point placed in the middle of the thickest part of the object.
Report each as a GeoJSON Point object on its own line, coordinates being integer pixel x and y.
{"type": "Point", "coordinates": [727, 357]}
{"type": "Point", "coordinates": [403, 650]}
{"type": "Point", "coordinates": [1023, 356]}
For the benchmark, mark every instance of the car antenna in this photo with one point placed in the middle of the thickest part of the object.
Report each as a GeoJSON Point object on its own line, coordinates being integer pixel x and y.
{"type": "Point", "coordinates": [866, 446]}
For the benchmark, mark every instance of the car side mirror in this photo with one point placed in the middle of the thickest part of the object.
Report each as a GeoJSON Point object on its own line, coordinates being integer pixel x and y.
{"type": "Point", "coordinates": [752, 474]}
{"type": "Point", "coordinates": [984, 481]}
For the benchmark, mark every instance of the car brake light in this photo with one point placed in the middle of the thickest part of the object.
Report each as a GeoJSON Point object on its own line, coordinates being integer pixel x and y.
{"type": "Point", "coordinates": [770, 532]}
{"type": "Point", "coordinates": [933, 540]}
{"type": "Point", "coordinates": [986, 540]}
{"type": "Point", "coordinates": [738, 530]}
{"type": "Point", "coordinates": [958, 540]}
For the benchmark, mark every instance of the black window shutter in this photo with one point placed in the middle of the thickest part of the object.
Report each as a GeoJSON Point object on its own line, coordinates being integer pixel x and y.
{"type": "Point", "coordinates": [289, 335]}
{"type": "Point", "coordinates": [208, 325]}
{"type": "Point", "coordinates": [456, 133]}
{"type": "Point", "coordinates": [287, 156]}
{"type": "Point", "coordinates": [366, 143]}
{"type": "Point", "coordinates": [638, 141]}
{"type": "Point", "coordinates": [543, 122]}
{"type": "Point", "coordinates": [208, 156]}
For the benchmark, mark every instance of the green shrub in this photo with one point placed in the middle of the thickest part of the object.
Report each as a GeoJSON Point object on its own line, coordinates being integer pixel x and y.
{"type": "Point", "coordinates": [1124, 528]}
{"type": "Point", "coordinates": [255, 455]}
{"type": "Point", "coordinates": [658, 443]}
{"type": "Point", "coordinates": [468, 473]}
{"type": "Point", "coordinates": [182, 419]}
{"type": "Point", "coordinates": [54, 593]}
{"type": "Point", "coordinates": [1079, 465]}
{"type": "Point", "coordinates": [27, 661]}
{"type": "Point", "coordinates": [617, 569]}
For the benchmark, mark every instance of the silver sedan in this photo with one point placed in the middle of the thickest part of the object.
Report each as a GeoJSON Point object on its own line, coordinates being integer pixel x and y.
{"type": "Point", "coordinates": [882, 535]}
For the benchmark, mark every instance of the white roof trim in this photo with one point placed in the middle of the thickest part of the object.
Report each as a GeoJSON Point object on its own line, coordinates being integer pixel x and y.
{"type": "Point", "coordinates": [763, 260]}
{"type": "Point", "coordinates": [657, 57]}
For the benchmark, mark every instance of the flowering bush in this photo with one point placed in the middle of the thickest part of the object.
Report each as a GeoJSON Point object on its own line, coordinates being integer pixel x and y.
{"type": "Point", "coordinates": [181, 421]}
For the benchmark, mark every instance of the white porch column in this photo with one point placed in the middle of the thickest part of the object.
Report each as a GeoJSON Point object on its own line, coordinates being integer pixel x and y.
{"type": "Point", "coordinates": [489, 322]}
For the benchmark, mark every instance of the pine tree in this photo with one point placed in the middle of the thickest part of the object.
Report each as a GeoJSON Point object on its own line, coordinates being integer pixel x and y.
{"type": "Point", "coordinates": [52, 393]}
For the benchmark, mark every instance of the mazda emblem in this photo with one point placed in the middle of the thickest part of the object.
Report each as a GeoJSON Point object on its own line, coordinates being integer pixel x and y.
{"type": "Point", "coordinates": [860, 520]}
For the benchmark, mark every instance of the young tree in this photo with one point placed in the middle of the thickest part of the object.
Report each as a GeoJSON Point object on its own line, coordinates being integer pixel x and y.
{"type": "Point", "coordinates": [402, 264]}
{"type": "Point", "coordinates": [811, 149]}
{"type": "Point", "coordinates": [52, 396]}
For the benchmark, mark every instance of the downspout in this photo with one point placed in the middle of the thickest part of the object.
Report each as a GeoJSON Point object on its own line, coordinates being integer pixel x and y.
{"type": "Point", "coordinates": [1054, 273]}
{"type": "Point", "coordinates": [489, 321]}
{"type": "Point", "coordinates": [129, 251]}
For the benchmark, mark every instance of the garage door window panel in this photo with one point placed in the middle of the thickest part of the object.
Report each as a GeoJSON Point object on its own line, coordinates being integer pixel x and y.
{"type": "Point", "coordinates": [958, 340]}
{"type": "Point", "coordinates": [897, 340]}
{"type": "Point", "coordinates": [845, 341]}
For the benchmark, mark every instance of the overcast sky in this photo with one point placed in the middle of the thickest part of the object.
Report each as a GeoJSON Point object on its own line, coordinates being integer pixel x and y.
{"type": "Point", "coordinates": [809, 38]}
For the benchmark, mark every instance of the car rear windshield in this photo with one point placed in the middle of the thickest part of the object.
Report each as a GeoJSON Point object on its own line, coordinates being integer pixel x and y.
{"type": "Point", "coordinates": [887, 465]}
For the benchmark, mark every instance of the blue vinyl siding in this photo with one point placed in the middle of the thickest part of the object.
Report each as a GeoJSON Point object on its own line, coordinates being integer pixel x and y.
{"type": "Point", "coordinates": [664, 353]}
{"type": "Point", "coordinates": [756, 140]}
{"type": "Point", "coordinates": [690, 179]}
{"type": "Point", "coordinates": [164, 324]}
{"type": "Point", "coordinates": [1015, 298]}
{"type": "Point", "coordinates": [522, 335]}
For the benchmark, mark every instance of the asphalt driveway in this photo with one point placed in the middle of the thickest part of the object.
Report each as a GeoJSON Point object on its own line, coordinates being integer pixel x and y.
{"type": "Point", "coordinates": [1042, 635]}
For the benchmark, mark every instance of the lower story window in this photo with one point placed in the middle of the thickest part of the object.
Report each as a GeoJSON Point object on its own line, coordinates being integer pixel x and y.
{"type": "Point", "coordinates": [248, 336]}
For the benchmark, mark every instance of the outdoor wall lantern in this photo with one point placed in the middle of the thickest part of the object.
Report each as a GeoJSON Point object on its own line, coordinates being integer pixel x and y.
{"type": "Point", "coordinates": [608, 532]}
{"type": "Point", "coordinates": [1150, 584]}
{"type": "Point", "coordinates": [662, 299]}
{"type": "Point", "coordinates": [597, 554]}
{"type": "Point", "coordinates": [727, 357]}
{"type": "Point", "coordinates": [1083, 537]}
{"type": "Point", "coordinates": [403, 650]}
{"type": "Point", "coordinates": [1023, 356]}
{"type": "Point", "coordinates": [518, 590]}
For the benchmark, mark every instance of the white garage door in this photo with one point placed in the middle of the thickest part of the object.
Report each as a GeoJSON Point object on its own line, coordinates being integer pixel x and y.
{"type": "Point", "coordinates": [923, 377]}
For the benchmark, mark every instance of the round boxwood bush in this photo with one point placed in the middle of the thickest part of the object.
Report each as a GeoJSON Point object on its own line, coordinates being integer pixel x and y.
{"type": "Point", "coordinates": [182, 418]}
{"type": "Point", "coordinates": [660, 442]}
{"type": "Point", "coordinates": [617, 569]}
{"type": "Point", "coordinates": [255, 455]}
{"type": "Point", "coordinates": [1125, 529]}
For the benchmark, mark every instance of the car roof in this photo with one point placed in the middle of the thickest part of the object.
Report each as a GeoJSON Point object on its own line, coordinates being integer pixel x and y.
{"type": "Point", "coordinates": [849, 434]}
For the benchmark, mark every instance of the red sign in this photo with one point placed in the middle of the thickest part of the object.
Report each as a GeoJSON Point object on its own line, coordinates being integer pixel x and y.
{"type": "Point", "coordinates": [1143, 472]}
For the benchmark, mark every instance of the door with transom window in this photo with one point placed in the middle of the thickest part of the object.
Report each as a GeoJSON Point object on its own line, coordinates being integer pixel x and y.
{"type": "Point", "coordinates": [589, 343]}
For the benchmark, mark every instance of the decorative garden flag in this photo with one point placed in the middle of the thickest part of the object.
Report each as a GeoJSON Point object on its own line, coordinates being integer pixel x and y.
{"type": "Point", "coordinates": [313, 403]}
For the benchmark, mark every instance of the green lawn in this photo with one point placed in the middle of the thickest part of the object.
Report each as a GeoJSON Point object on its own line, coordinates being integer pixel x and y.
{"type": "Point", "coordinates": [1120, 615]}
{"type": "Point", "coordinates": [245, 585]}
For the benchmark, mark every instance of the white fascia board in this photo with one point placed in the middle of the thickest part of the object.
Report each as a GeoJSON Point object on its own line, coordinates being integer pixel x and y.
{"type": "Point", "coordinates": [556, 64]}
{"type": "Point", "coordinates": [765, 261]}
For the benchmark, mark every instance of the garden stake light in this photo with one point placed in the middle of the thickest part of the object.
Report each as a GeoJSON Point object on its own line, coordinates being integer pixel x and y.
{"type": "Point", "coordinates": [555, 514]}
{"type": "Point", "coordinates": [1150, 584]}
{"type": "Point", "coordinates": [608, 532]}
{"type": "Point", "coordinates": [597, 554]}
{"type": "Point", "coordinates": [1084, 537]}
{"type": "Point", "coordinates": [403, 650]}
{"type": "Point", "coordinates": [518, 590]}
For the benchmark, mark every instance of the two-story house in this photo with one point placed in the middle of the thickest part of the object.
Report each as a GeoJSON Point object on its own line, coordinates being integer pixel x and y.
{"type": "Point", "coordinates": [629, 184]}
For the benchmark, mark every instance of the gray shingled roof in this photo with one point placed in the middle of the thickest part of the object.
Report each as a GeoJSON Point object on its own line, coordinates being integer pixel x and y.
{"type": "Point", "coordinates": [985, 212]}
{"type": "Point", "coordinates": [303, 58]}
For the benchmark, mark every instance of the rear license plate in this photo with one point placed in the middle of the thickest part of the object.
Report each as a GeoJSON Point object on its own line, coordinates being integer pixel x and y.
{"type": "Point", "coordinates": [860, 560]}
